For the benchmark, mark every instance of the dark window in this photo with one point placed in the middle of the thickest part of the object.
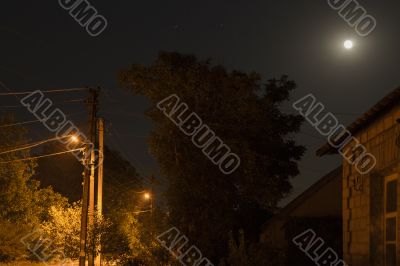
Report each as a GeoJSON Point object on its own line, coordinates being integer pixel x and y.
{"type": "Point", "coordinates": [391, 229]}
{"type": "Point", "coordinates": [391, 254]}
{"type": "Point", "coordinates": [391, 196]}
{"type": "Point", "coordinates": [391, 220]}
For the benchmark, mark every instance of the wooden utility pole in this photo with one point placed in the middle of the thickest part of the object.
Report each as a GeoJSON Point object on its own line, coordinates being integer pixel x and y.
{"type": "Point", "coordinates": [91, 242]}
{"type": "Point", "coordinates": [152, 181]}
{"type": "Point", "coordinates": [85, 201]}
{"type": "Point", "coordinates": [100, 129]}
{"type": "Point", "coordinates": [88, 184]}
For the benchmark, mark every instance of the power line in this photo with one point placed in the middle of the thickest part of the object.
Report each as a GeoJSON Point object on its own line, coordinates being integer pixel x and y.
{"type": "Point", "coordinates": [20, 123]}
{"type": "Point", "coordinates": [15, 96]}
{"type": "Point", "coordinates": [34, 121]}
{"type": "Point", "coordinates": [44, 91]}
{"type": "Point", "coordinates": [41, 156]}
{"type": "Point", "coordinates": [32, 145]}
{"type": "Point", "coordinates": [67, 102]}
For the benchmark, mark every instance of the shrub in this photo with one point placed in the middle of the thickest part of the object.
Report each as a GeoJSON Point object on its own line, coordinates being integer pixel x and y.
{"type": "Point", "coordinates": [11, 247]}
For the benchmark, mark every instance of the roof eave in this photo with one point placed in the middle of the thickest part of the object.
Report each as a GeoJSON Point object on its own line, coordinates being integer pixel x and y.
{"type": "Point", "coordinates": [368, 117]}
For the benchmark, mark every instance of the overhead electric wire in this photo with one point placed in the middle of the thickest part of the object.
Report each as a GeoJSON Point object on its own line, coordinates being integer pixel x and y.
{"type": "Point", "coordinates": [67, 102]}
{"type": "Point", "coordinates": [32, 145]}
{"type": "Point", "coordinates": [15, 96]}
{"type": "Point", "coordinates": [44, 91]}
{"type": "Point", "coordinates": [34, 121]}
{"type": "Point", "coordinates": [42, 156]}
{"type": "Point", "coordinates": [20, 123]}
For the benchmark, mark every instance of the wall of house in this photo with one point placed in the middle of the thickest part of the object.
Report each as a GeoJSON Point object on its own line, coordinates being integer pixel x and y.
{"type": "Point", "coordinates": [363, 231]}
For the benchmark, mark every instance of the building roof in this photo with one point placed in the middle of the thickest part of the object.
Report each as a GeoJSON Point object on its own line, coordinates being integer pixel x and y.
{"type": "Point", "coordinates": [368, 117]}
{"type": "Point", "coordinates": [308, 193]}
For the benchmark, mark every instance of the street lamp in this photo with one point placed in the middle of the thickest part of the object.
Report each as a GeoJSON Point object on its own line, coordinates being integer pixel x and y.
{"type": "Point", "coordinates": [147, 196]}
{"type": "Point", "coordinates": [74, 139]}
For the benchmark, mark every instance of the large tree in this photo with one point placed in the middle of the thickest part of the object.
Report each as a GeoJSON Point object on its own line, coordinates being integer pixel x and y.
{"type": "Point", "coordinates": [205, 203]}
{"type": "Point", "coordinates": [21, 200]}
{"type": "Point", "coordinates": [120, 197]}
{"type": "Point", "coordinates": [23, 205]}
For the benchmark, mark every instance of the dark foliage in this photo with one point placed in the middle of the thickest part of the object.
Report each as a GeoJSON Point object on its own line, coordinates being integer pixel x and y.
{"type": "Point", "coordinates": [246, 115]}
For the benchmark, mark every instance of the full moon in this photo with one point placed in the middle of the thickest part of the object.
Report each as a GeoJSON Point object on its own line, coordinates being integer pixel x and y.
{"type": "Point", "coordinates": [348, 44]}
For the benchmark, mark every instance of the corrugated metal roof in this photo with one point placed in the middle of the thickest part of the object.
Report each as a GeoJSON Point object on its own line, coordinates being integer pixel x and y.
{"type": "Point", "coordinates": [372, 114]}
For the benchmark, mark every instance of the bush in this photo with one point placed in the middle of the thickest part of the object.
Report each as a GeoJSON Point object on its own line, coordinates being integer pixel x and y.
{"type": "Point", "coordinates": [11, 247]}
{"type": "Point", "coordinates": [63, 229]}
{"type": "Point", "coordinates": [252, 254]}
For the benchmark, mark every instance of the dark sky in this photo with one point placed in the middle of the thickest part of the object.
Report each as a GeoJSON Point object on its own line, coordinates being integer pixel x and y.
{"type": "Point", "coordinates": [42, 46]}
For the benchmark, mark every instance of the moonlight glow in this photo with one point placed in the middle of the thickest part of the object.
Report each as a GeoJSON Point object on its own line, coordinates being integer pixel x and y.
{"type": "Point", "coordinates": [348, 44]}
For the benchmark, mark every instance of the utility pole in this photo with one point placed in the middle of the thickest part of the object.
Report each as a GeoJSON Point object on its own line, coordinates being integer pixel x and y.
{"type": "Point", "coordinates": [85, 197]}
{"type": "Point", "coordinates": [91, 242]}
{"type": "Point", "coordinates": [100, 129]}
{"type": "Point", "coordinates": [152, 180]}
{"type": "Point", "coordinates": [88, 185]}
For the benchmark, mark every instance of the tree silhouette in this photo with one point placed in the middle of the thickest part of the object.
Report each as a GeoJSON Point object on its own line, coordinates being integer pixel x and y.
{"type": "Point", "coordinates": [203, 202]}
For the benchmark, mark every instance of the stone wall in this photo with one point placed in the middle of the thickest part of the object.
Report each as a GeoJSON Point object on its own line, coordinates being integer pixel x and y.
{"type": "Point", "coordinates": [363, 203]}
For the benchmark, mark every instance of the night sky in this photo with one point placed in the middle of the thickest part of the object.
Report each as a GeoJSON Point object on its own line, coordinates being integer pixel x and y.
{"type": "Point", "coordinates": [42, 46]}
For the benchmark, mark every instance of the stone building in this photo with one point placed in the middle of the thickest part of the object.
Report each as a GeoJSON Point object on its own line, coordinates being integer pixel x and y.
{"type": "Point", "coordinates": [370, 200]}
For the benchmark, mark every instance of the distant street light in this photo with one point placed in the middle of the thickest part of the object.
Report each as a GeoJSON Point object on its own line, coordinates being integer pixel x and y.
{"type": "Point", "coordinates": [147, 196]}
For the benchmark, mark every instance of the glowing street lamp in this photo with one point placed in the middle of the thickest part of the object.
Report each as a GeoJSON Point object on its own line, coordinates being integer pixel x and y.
{"type": "Point", "coordinates": [147, 196]}
{"type": "Point", "coordinates": [74, 139]}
